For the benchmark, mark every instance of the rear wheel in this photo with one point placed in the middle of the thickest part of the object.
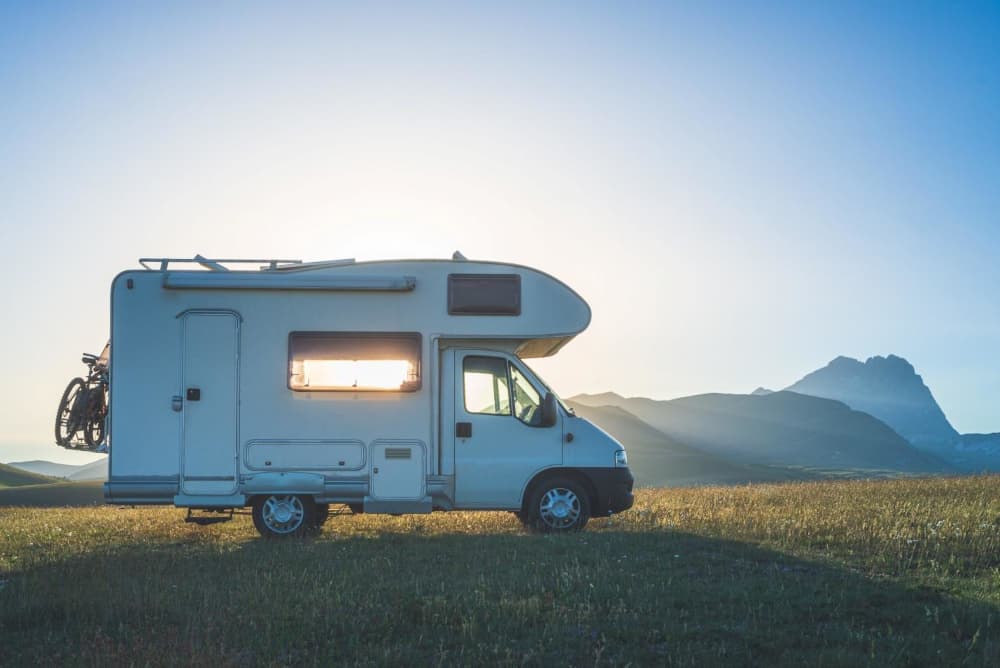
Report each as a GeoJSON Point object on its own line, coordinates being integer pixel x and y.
{"type": "Point", "coordinates": [93, 431]}
{"type": "Point", "coordinates": [68, 415]}
{"type": "Point", "coordinates": [284, 515]}
{"type": "Point", "coordinates": [559, 505]}
{"type": "Point", "coordinates": [322, 514]}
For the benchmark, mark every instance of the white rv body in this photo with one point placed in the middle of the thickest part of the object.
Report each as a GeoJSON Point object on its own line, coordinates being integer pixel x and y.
{"type": "Point", "coordinates": [214, 400]}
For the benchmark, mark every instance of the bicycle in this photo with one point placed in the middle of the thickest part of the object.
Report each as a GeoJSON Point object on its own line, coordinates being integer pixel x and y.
{"type": "Point", "coordinates": [84, 407]}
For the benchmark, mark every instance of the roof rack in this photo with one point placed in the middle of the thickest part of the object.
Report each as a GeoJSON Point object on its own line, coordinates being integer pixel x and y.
{"type": "Point", "coordinates": [213, 264]}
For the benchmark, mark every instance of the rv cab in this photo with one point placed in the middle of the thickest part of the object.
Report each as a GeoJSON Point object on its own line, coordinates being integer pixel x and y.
{"type": "Point", "coordinates": [390, 387]}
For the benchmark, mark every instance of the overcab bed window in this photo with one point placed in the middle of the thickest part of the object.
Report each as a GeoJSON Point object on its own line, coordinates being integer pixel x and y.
{"type": "Point", "coordinates": [354, 362]}
{"type": "Point", "coordinates": [484, 294]}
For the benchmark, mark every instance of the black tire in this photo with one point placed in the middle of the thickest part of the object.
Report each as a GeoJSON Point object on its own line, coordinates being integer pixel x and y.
{"type": "Point", "coordinates": [357, 508]}
{"type": "Point", "coordinates": [97, 411]}
{"type": "Point", "coordinates": [284, 515]}
{"type": "Point", "coordinates": [558, 505]}
{"type": "Point", "coordinates": [522, 517]}
{"type": "Point", "coordinates": [67, 416]}
{"type": "Point", "coordinates": [322, 514]}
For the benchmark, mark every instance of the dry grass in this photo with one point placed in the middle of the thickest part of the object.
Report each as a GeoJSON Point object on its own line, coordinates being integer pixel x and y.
{"type": "Point", "coordinates": [843, 573]}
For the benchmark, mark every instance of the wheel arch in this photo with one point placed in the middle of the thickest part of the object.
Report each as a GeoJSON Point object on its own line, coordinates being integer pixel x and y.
{"type": "Point", "coordinates": [558, 472]}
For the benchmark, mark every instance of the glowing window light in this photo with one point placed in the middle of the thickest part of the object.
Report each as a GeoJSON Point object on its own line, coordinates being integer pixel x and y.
{"type": "Point", "coordinates": [354, 361]}
{"type": "Point", "coordinates": [356, 374]}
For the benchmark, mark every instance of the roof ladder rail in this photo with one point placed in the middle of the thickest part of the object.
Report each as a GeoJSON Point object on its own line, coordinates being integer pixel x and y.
{"type": "Point", "coordinates": [213, 264]}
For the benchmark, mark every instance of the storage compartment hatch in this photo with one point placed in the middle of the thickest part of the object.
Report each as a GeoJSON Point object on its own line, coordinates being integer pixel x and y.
{"type": "Point", "coordinates": [398, 469]}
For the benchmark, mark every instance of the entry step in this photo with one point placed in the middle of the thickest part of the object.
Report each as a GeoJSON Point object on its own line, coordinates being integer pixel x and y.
{"type": "Point", "coordinates": [206, 517]}
{"type": "Point", "coordinates": [210, 501]}
{"type": "Point", "coordinates": [399, 507]}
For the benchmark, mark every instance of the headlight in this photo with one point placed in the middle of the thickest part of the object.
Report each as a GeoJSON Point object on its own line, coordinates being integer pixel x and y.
{"type": "Point", "coordinates": [621, 459]}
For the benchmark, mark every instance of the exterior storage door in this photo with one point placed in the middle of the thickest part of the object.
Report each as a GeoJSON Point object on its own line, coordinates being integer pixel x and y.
{"type": "Point", "coordinates": [210, 378]}
{"type": "Point", "coordinates": [398, 470]}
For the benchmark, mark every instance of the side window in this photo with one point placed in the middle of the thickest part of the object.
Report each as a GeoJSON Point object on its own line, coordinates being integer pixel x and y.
{"type": "Point", "coordinates": [527, 402]}
{"type": "Point", "coordinates": [354, 361]}
{"type": "Point", "coordinates": [486, 388]}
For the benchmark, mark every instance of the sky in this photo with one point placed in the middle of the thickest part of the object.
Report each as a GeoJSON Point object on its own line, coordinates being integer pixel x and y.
{"type": "Point", "coordinates": [741, 191]}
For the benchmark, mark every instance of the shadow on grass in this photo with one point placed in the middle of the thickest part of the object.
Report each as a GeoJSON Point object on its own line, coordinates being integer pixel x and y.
{"type": "Point", "coordinates": [600, 597]}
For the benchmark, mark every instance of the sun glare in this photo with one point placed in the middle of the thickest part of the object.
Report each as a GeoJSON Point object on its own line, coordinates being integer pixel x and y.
{"type": "Point", "coordinates": [358, 374]}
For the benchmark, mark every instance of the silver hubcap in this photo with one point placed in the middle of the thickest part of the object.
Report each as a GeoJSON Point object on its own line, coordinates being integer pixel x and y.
{"type": "Point", "coordinates": [560, 508]}
{"type": "Point", "coordinates": [283, 514]}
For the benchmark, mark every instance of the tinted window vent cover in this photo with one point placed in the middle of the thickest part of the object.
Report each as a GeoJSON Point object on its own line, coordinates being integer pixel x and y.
{"type": "Point", "coordinates": [397, 453]}
{"type": "Point", "coordinates": [484, 294]}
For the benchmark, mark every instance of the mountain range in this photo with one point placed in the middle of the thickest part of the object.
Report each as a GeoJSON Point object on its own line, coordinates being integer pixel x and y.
{"type": "Point", "coordinates": [657, 459]}
{"type": "Point", "coordinates": [781, 429]}
{"type": "Point", "coordinates": [850, 418]}
{"type": "Point", "coordinates": [890, 389]}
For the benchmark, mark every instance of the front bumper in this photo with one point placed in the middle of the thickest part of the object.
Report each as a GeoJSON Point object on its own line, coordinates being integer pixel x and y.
{"type": "Point", "coordinates": [613, 487]}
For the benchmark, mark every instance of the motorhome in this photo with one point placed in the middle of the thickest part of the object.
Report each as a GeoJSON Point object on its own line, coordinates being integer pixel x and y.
{"type": "Point", "coordinates": [386, 386]}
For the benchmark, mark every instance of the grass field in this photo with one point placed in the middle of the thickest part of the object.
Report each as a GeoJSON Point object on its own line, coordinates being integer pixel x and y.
{"type": "Point", "coordinates": [903, 572]}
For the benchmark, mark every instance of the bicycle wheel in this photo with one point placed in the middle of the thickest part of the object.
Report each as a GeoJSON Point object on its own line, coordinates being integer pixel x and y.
{"type": "Point", "coordinates": [67, 419]}
{"type": "Point", "coordinates": [97, 410]}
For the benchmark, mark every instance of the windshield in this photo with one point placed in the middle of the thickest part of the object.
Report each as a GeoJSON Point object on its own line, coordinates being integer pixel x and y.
{"type": "Point", "coordinates": [546, 387]}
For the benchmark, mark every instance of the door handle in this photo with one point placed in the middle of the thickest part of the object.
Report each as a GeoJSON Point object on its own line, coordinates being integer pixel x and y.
{"type": "Point", "coordinates": [463, 430]}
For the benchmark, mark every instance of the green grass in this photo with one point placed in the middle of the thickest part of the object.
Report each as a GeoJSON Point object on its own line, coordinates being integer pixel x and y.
{"type": "Point", "coordinates": [897, 572]}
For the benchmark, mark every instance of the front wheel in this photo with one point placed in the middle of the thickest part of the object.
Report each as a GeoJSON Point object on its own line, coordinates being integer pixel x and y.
{"type": "Point", "coordinates": [284, 515]}
{"type": "Point", "coordinates": [68, 415]}
{"type": "Point", "coordinates": [559, 505]}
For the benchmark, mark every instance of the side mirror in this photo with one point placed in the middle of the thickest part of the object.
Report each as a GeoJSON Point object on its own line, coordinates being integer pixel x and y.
{"type": "Point", "coordinates": [550, 412]}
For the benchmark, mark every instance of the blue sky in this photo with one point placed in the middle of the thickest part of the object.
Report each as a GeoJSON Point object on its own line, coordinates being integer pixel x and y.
{"type": "Point", "coordinates": [741, 191]}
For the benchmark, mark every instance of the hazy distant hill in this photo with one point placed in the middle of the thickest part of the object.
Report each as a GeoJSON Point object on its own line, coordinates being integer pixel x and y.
{"type": "Point", "coordinates": [658, 460]}
{"type": "Point", "coordinates": [778, 429]}
{"type": "Point", "coordinates": [53, 494]}
{"type": "Point", "coordinates": [43, 467]}
{"type": "Point", "coordinates": [93, 471]}
{"type": "Point", "coordinates": [976, 452]}
{"type": "Point", "coordinates": [96, 470]}
{"type": "Point", "coordinates": [12, 477]}
{"type": "Point", "coordinates": [73, 486]}
{"type": "Point", "coordinates": [888, 388]}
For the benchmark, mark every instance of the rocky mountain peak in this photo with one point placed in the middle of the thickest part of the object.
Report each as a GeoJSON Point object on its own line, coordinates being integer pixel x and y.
{"type": "Point", "coordinates": [888, 388]}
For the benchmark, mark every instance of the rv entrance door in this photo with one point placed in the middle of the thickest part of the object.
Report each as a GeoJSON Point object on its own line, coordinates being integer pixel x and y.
{"type": "Point", "coordinates": [498, 438]}
{"type": "Point", "coordinates": [210, 377]}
